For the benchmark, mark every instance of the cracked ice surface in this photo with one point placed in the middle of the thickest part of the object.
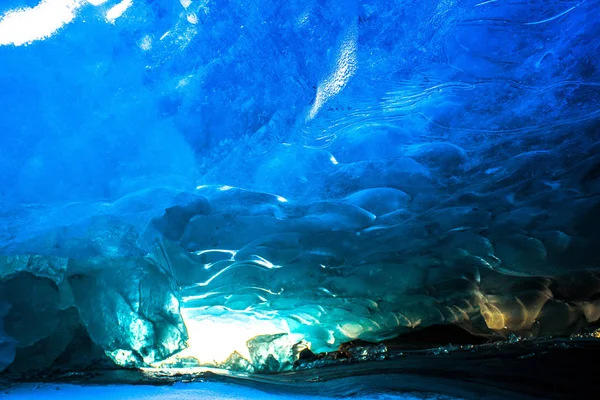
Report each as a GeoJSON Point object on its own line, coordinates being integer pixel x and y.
{"type": "Point", "coordinates": [176, 173]}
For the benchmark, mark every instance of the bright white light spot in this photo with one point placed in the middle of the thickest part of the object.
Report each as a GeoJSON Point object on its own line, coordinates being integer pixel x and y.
{"type": "Point", "coordinates": [327, 291]}
{"type": "Point", "coordinates": [351, 330]}
{"type": "Point", "coordinates": [345, 68]}
{"type": "Point", "coordinates": [214, 339]}
{"type": "Point", "coordinates": [185, 3]}
{"type": "Point", "coordinates": [122, 357]}
{"type": "Point", "coordinates": [225, 263]}
{"type": "Point", "coordinates": [118, 10]}
{"type": "Point", "coordinates": [184, 82]}
{"type": "Point", "coordinates": [282, 199]}
{"type": "Point", "coordinates": [199, 296]}
{"type": "Point", "coordinates": [333, 160]}
{"type": "Point", "coordinates": [209, 265]}
{"type": "Point", "coordinates": [165, 35]}
{"type": "Point", "coordinates": [146, 43]}
{"type": "Point", "coordinates": [200, 252]}
{"type": "Point", "coordinates": [192, 19]}
{"type": "Point", "coordinates": [96, 2]}
{"type": "Point", "coordinates": [303, 18]}
{"type": "Point", "coordinates": [263, 262]}
{"type": "Point", "coordinates": [278, 293]}
{"type": "Point", "coordinates": [25, 25]}
{"type": "Point", "coordinates": [224, 188]}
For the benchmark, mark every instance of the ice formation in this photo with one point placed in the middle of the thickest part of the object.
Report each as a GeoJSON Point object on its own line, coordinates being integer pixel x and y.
{"type": "Point", "coordinates": [222, 183]}
{"type": "Point", "coordinates": [205, 391]}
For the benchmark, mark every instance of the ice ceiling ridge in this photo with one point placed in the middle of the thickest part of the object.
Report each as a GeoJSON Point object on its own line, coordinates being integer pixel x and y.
{"type": "Point", "coordinates": [372, 264]}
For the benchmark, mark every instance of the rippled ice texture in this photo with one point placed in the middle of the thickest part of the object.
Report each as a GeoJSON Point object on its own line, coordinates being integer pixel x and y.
{"type": "Point", "coordinates": [327, 169]}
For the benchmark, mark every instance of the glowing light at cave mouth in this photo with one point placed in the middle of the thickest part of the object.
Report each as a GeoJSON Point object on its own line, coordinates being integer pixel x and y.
{"type": "Point", "coordinates": [212, 339]}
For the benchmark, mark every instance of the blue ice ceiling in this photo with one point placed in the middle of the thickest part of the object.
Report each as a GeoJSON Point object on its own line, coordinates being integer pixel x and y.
{"type": "Point", "coordinates": [321, 170]}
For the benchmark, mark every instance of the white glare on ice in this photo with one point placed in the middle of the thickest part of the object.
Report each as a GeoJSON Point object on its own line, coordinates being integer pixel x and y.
{"type": "Point", "coordinates": [25, 25]}
{"type": "Point", "coordinates": [192, 19]}
{"type": "Point", "coordinates": [200, 252]}
{"type": "Point", "coordinates": [345, 68]}
{"type": "Point", "coordinates": [215, 339]}
{"type": "Point", "coordinates": [146, 43]}
{"type": "Point", "coordinates": [118, 10]}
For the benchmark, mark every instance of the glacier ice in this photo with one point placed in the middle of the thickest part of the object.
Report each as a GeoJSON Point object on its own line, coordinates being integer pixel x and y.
{"type": "Point", "coordinates": [129, 307]}
{"type": "Point", "coordinates": [211, 183]}
{"type": "Point", "coordinates": [7, 344]}
{"type": "Point", "coordinates": [273, 353]}
{"type": "Point", "coordinates": [197, 390]}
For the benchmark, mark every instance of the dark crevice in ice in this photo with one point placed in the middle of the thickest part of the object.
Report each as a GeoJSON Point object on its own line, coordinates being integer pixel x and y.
{"type": "Point", "coordinates": [434, 336]}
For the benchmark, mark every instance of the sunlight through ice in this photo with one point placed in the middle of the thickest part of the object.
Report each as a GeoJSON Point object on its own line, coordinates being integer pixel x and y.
{"type": "Point", "coordinates": [25, 25]}
{"type": "Point", "coordinates": [96, 2]}
{"type": "Point", "coordinates": [214, 339]}
{"type": "Point", "coordinates": [118, 10]}
{"type": "Point", "coordinates": [344, 69]}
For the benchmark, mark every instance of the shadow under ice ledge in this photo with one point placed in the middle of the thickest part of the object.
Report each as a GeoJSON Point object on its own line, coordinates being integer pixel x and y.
{"type": "Point", "coordinates": [552, 368]}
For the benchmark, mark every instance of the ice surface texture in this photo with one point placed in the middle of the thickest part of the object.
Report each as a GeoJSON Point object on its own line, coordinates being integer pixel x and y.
{"type": "Point", "coordinates": [339, 169]}
{"type": "Point", "coordinates": [204, 390]}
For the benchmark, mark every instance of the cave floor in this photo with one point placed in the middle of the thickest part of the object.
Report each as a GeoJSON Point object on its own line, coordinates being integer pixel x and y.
{"type": "Point", "coordinates": [180, 391]}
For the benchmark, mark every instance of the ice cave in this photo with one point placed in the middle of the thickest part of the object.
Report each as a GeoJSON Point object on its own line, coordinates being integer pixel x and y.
{"type": "Point", "coordinates": [299, 199]}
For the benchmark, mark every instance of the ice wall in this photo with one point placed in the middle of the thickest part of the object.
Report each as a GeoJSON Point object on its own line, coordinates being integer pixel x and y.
{"type": "Point", "coordinates": [325, 170]}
